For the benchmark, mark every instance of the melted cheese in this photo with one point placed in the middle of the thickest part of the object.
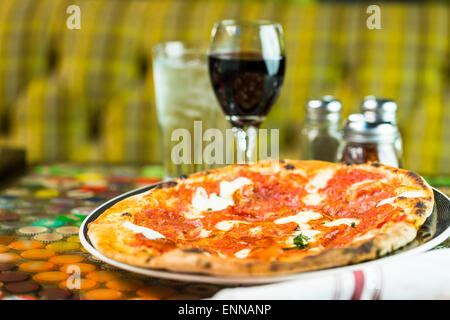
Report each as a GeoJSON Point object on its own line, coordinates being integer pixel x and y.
{"type": "Point", "coordinates": [313, 199]}
{"type": "Point", "coordinates": [300, 218]}
{"type": "Point", "coordinates": [148, 233]}
{"type": "Point", "coordinates": [213, 202]}
{"type": "Point", "coordinates": [227, 224]}
{"type": "Point", "coordinates": [204, 233]}
{"type": "Point", "coordinates": [202, 202]}
{"type": "Point", "coordinates": [255, 230]}
{"type": "Point", "coordinates": [337, 222]}
{"type": "Point", "coordinates": [242, 254]}
{"type": "Point", "coordinates": [228, 188]}
{"type": "Point", "coordinates": [408, 194]}
{"type": "Point", "coordinates": [319, 181]}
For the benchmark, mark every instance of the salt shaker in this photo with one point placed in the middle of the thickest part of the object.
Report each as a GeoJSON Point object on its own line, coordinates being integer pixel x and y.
{"type": "Point", "coordinates": [377, 110]}
{"type": "Point", "coordinates": [320, 137]}
{"type": "Point", "coordinates": [366, 141]}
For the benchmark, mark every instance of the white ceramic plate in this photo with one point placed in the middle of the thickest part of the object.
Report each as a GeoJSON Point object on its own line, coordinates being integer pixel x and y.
{"type": "Point", "coordinates": [435, 230]}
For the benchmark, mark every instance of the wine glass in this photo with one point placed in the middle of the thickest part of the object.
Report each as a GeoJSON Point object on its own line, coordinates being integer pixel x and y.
{"type": "Point", "coordinates": [246, 67]}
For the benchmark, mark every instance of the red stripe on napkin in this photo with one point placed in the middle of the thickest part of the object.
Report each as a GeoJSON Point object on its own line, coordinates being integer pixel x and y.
{"type": "Point", "coordinates": [359, 284]}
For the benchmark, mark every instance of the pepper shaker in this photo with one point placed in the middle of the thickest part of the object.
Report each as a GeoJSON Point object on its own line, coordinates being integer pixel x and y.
{"type": "Point", "coordinates": [320, 136]}
{"type": "Point", "coordinates": [377, 110]}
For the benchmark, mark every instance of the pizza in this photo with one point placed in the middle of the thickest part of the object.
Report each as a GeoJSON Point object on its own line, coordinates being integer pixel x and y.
{"type": "Point", "coordinates": [266, 218]}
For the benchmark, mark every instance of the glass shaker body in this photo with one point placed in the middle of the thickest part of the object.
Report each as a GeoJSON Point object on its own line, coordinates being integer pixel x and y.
{"type": "Point", "coordinates": [320, 135]}
{"type": "Point", "coordinates": [369, 142]}
{"type": "Point", "coordinates": [320, 140]}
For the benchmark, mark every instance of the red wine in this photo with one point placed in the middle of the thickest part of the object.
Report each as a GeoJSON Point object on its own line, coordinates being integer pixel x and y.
{"type": "Point", "coordinates": [246, 84]}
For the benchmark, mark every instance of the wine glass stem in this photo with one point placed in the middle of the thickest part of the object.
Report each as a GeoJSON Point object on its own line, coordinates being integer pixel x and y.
{"type": "Point", "coordinates": [246, 140]}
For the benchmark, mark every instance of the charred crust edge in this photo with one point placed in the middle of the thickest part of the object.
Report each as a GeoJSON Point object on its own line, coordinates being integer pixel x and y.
{"type": "Point", "coordinates": [420, 212]}
{"type": "Point", "coordinates": [414, 176]}
{"type": "Point", "coordinates": [420, 205]}
{"type": "Point", "coordinates": [375, 164]}
{"type": "Point", "coordinates": [194, 250]}
{"type": "Point", "coordinates": [167, 184]}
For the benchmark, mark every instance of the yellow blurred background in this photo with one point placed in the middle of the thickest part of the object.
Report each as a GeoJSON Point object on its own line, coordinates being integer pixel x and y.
{"type": "Point", "coordinates": [87, 95]}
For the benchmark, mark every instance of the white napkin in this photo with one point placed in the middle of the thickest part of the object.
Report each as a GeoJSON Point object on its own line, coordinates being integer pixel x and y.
{"type": "Point", "coordinates": [423, 276]}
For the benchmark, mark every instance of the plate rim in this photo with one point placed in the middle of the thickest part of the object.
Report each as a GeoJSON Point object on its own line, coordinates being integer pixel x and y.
{"type": "Point", "coordinates": [233, 280]}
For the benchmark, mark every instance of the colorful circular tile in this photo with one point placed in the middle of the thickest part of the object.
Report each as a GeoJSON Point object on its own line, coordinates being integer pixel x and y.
{"type": "Point", "coordinates": [9, 217]}
{"type": "Point", "coordinates": [103, 275]}
{"type": "Point", "coordinates": [66, 259]}
{"type": "Point", "coordinates": [36, 266]}
{"type": "Point", "coordinates": [73, 239]}
{"type": "Point", "coordinates": [67, 231]}
{"type": "Point", "coordinates": [69, 218]}
{"type": "Point", "coordinates": [80, 194]}
{"type": "Point", "coordinates": [54, 294]}
{"type": "Point", "coordinates": [31, 231]}
{"type": "Point", "coordinates": [123, 284]}
{"type": "Point", "coordinates": [38, 254]}
{"type": "Point", "coordinates": [50, 276]}
{"type": "Point", "coordinates": [6, 205]}
{"type": "Point", "coordinates": [30, 219]}
{"type": "Point", "coordinates": [13, 276]}
{"type": "Point", "coordinates": [156, 292]}
{"type": "Point", "coordinates": [7, 266]}
{"type": "Point", "coordinates": [62, 246]}
{"type": "Point", "coordinates": [63, 200]}
{"type": "Point", "coordinates": [9, 257]}
{"type": "Point", "coordinates": [9, 227]}
{"type": "Point", "coordinates": [49, 223]}
{"type": "Point", "coordinates": [95, 188]}
{"type": "Point", "coordinates": [78, 223]}
{"type": "Point", "coordinates": [27, 211]}
{"type": "Point", "coordinates": [83, 267]}
{"type": "Point", "coordinates": [22, 287]}
{"type": "Point", "coordinates": [103, 294]}
{"type": "Point", "coordinates": [56, 209]}
{"type": "Point", "coordinates": [94, 201]}
{"type": "Point", "coordinates": [17, 192]}
{"type": "Point", "coordinates": [46, 193]}
{"type": "Point", "coordinates": [25, 245]}
{"type": "Point", "coordinates": [48, 237]}
{"type": "Point", "coordinates": [84, 284]}
{"type": "Point", "coordinates": [6, 239]}
{"type": "Point", "coordinates": [82, 211]}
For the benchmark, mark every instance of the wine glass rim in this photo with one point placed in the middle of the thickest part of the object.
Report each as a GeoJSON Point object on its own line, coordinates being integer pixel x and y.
{"type": "Point", "coordinates": [188, 47]}
{"type": "Point", "coordinates": [255, 23]}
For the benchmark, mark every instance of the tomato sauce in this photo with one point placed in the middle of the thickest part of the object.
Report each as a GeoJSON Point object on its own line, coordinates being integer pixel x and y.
{"type": "Point", "coordinates": [257, 206]}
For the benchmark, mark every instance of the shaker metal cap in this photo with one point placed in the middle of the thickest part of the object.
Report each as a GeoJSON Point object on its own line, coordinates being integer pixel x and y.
{"type": "Point", "coordinates": [379, 109]}
{"type": "Point", "coordinates": [358, 129]}
{"type": "Point", "coordinates": [326, 108]}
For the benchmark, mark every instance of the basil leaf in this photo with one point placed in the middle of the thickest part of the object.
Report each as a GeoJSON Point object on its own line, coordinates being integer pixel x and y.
{"type": "Point", "coordinates": [301, 241]}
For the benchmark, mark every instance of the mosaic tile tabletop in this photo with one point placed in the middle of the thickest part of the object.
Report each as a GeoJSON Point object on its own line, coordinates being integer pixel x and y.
{"type": "Point", "coordinates": [40, 216]}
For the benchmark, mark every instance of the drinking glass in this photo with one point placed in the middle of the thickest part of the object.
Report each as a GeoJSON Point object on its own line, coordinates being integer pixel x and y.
{"type": "Point", "coordinates": [184, 99]}
{"type": "Point", "coordinates": [246, 68]}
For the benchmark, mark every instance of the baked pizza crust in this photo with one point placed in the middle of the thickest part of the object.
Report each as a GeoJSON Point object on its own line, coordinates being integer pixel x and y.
{"type": "Point", "coordinates": [116, 242]}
